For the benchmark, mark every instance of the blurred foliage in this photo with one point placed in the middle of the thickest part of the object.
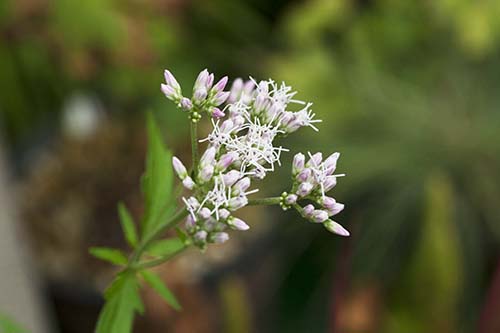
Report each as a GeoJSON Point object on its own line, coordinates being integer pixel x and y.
{"type": "Point", "coordinates": [408, 94]}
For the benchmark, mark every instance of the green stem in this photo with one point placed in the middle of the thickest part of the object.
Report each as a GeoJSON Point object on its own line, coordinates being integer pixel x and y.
{"type": "Point", "coordinates": [158, 261]}
{"type": "Point", "coordinates": [264, 201]}
{"type": "Point", "coordinates": [194, 144]}
{"type": "Point", "coordinates": [145, 242]}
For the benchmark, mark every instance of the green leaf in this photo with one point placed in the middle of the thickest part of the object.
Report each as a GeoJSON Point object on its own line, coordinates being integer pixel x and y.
{"type": "Point", "coordinates": [165, 247]}
{"type": "Point", "coordinates": [122, 302]}
{"type": "Point", "coordinates": [114, 256]}
{"type": "Point", "coordinates": [155, 282]}
{"type": "Point", "coordinates": [8, 325]}
{"type": "Point", "coordinates": [157, 182]}
{"type": "Point", "coordinates": [128, 225]}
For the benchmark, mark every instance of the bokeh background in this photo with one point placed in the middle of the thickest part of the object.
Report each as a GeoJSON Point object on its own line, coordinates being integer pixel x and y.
{"type": "Point", "coordinates": [409, 94]}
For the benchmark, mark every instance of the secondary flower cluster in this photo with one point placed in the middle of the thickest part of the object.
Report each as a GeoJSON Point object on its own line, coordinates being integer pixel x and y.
{"type": "Point", "coordinates": [241, 148]}
{"type": "Point", "coordinates": [311, 181]}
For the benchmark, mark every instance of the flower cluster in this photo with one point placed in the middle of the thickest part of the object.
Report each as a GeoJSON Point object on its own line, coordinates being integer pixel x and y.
{"type": "Point", "coordinates": [241, 148]}
{"type": "Point", "coordinates": [311, 181]}
{"type": "Point", "coordinates": [207, 96]}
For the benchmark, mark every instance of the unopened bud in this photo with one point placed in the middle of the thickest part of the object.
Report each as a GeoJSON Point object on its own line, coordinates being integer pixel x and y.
{"type": "Point", "coordinates": [238, 224]}
{"type": "Point", "coordinates": [315, 160]}
{"type": "Point", "coordinates": [217, 113]}
{"type": "Point", "coordinates": [204, 213]}
{"type": "Point", "coordinates": [188, 183]}
{"type": "Point", "coordinates": [224, 214]}
{"type": "Point", "coordinates": [190, 222]}
{"type": "Point", "coordinates": [226, 160]}
{"type": "Point", "coordinates": [337, 208]}
{"type": "Point", "coordinates": [220, 237]}
{"type": "Point", "coordinates": [304, 175]}
{"type": "Point", "coordinates": [335, 228]}
{"type": "Point", "coordinates": [171, 81]}
{"type": "Point", "coordinates": [298, 163]}
{"type": "Point", "coordinates": [291, 199]}
{"type": "Point", "coordinates": [231, 177]}
{"type": "Point", "coordinates": [179, 168]}
{"type": "Point", "coordinates": [241, 186]}
{"type": "Point", "coordinates": [307, 210]}
{"type": "Point", "coordinates": [186, 104]}
{"type": "Point", "coordinates": [319, 216]}
{"type": "Point", "coordinates": [304, 189]}
{"type": "Point", "coordinates": [237, 203]}
{"type": "Point", "coordinates": [219, 86]}
{"type": "Point", "coordinates": [329, 183]}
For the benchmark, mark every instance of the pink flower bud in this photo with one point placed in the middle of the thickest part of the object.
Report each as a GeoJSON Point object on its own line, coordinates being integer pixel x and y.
{"type": "Point", "coordinates": [241, 186]}
{"type": "Point", "coordinates": [227, 126]}
{"type": "Point", "coordinates": [304, 189]}
{"type": "Point", "coordinates": [237, 203]}
{"type": "Point", "coordinates": [298, 163]}
{"type": "Point", "coordinates": [231, 177]}
{"type": "Point", "coordinates": [261, 102]}
{"type": "Point", "coordinates": [315, 160]}
{"type": "Point", "coordinates": [219, 86]}
{"type": "Point", "coordinates": [335, 209]}
{"type": "Point", "coordinates": [304, 175]}
{"type": "Point", "coordinates": [328, 202]}
{"type": "Point", "coordinates": [220, 98]}
{"type": "Point", "coordinates": [335, 228]}
{"type": "Point", "coordinates": [192, 203]}
{"type": "Point", "coordinates": [236, 89]}
{"type": "Point", "coordinates": [238, 224]}
{"type": "Point", "coordinates": [319, 216]}
{"type": "Point", "coordinates": [331, 163]}
{"type": "Point", "coordinates": [286, 117]}
{"type": "Point", "coordinates": [224, 214]}
{"type": "Point", "coordinates": [226, 160]}
{"type": "Point", "coordinates": [329, 183]}
{"type": "Point", "coordinates": [291, 199]}
{"type": "Point", "coordinates": [206, 172]}
{"type": "Point", "coordinates": [171, 81]}
{"type": "Point", "coordinates": [308, 210]}
{"type": "Point", "coordinates": [210, 81]}
{"type": "Point", "coordinates": [188, 183]}
{"type": "Point", "coordinates": [201, 80]}
{"type": "Point", "coordinates": [204, 213]}
{"type": "Point", "coordinates": [186, 104]}
{"type": "Point", "coordinates": [217, 113]}
{"type": "Point", "coordinates": [190, 222]}
{"type": "Point", "coordinates": [200, 94]}
{"type": "Point", "coordinates": [220, 237]}
{"type": "Point", "coordinates": [179, 168]}
{"type": "Point", "coordinates": [208, 156]}
{"type": "Point", "coordinates": [169, 92]}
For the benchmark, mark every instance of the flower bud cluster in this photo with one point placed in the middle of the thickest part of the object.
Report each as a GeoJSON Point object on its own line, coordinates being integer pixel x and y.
{"type": "Point", "coordinates": [241, 148]}
{"type": "Point", "coordinates": [219, 190]}
{"type": "Point", "coordinates": [311, 181]}
{"type": "Point", "coordinates": [207, 96]}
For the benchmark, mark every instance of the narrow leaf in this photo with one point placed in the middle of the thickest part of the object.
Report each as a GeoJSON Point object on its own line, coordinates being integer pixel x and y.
{"type": "Point", "coordinates": [157, 181]}
{"type": "Point", "coordinates": [128, 225]}
{"type": "Point", "coordinates": [114, 256]}
{"type": "Point", "coordinates": [165, 247]}
{"type": "Point", "coordinates": [122, 302]}
{"type": "Point", "coordinates": [155, 282]}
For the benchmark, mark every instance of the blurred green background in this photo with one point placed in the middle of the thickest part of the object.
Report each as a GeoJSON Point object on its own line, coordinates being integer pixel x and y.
{"type": "Point", "coordinates": [408, 92]}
